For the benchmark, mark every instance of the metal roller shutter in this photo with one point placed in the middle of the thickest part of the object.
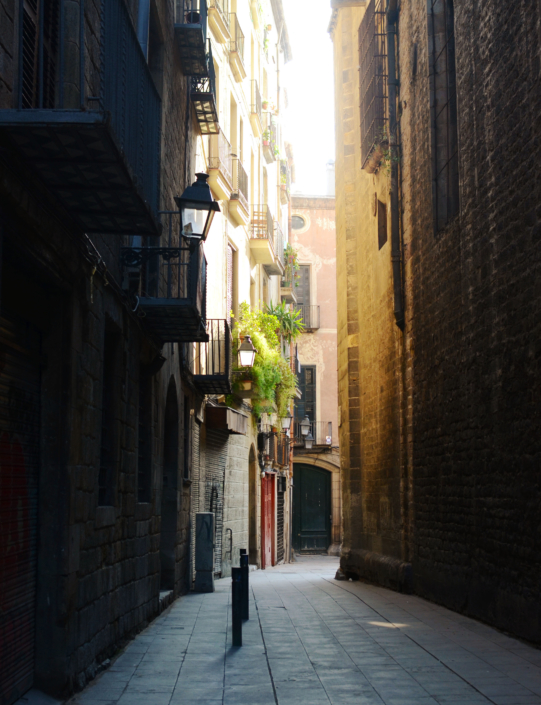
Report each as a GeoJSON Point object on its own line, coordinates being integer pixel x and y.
{"type": "Point", "coordinates": [280, 520]}
{"type": "Point", "coordinates": [215, 460]}
{"type": "Point", "coordinates": [195, 495]}
{"type": "Point", "coordinates": [19, 467]}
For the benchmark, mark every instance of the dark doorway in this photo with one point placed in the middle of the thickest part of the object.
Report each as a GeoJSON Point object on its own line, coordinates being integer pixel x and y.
{"type": "Point", "coordinates": [311, 509]}
{"type": "Point", "coordinates": [168, 533]}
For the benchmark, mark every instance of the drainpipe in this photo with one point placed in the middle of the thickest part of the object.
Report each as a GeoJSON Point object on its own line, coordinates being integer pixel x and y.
{"type": "Point", "coordinates": [396, 257]}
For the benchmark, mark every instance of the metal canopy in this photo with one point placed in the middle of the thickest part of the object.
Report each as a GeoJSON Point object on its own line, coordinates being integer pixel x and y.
{"type": "Point", "coordinates": [206, 113]}
{"type": "Point", "coordinates": [213, 384]}
{"type": "Point", "coordinates": [76, 155]}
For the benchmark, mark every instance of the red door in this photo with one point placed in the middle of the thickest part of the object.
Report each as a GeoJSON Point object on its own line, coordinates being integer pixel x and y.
{"type": "Point", "coordinates": [267, 521]}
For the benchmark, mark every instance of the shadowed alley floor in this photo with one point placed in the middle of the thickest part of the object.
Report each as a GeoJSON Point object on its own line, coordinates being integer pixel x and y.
{"type": "Point", "coordinates": [312, 640]}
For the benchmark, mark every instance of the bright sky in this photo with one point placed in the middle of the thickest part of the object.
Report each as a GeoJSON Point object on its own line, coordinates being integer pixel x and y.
{"type": "Point", "coordinates": [308, 78]}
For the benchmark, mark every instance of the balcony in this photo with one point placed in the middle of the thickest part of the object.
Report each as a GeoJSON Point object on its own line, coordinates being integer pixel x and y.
{"type": "Point", "coordinates": [191, 36]}
{"type": "Point", "coordinates": [285, 182]}
{"type": "Point", "coordinates": [239, 210]}
{"type": "Point", "coordinates": [169, 286]}
{"type": "Point", "coordinates": [262, 235]}
{"type": "Point", "coordinates": [321, 432]}
{"type": "Point", "coordinates": [218, 16]}
{"type": "Point", "coordinates": [203, 97]}
{"type": "Point", "coordinates": [210, 362]}
{"type": "Point", "coordinates": [310, 316]}
{"type": "Point", "coordinates": [220, 167]}
{"type": "Point", "coordinates": [277, 267]}
{"type": "Point", "coordinates": [256, 117]}
{"type": "Point", "coordinates": [278, 446]}
{"type": "Point", "coordinates": [236, 49]}
{"type": "Point", "coordinates": [270, 139]}
{"type": "Point", "coordinates": [96, 149]}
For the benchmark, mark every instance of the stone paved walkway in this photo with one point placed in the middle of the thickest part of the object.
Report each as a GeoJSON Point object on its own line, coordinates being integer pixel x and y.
{"type": "Point", "coordinates": [314, 641]}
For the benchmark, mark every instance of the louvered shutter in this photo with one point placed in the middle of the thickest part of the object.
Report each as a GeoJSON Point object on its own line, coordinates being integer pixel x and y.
{"type": "Point", "coordinates": [215, 461]}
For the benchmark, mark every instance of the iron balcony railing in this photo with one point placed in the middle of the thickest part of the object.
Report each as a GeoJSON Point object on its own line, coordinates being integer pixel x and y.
{"type": "Point", "coordinates": [220, 156]}
{"type": "Point", "coordinates": [262, 225]}
{"type": "Point", "coordinates": [210, 362]}
{"type": "Point", "coordinates": [285, 177]}
{"type": "Point", "coordinates": [203, 97]}
{"type": "Point", "coordinates": [88, 115]}
{"type": "Point", "coordinates": [237, 36]}
{"type": "Point", "coordinates": [321, 433]}
{"type": "Point", "coordinates": [270, 138]}
{"type": "Point", "coordinates": [240, 181]}
{"type": "Point", "coordinates": [169, 284]}
{"type": "Point", "coordinates": [279, 243]}
{"type": "Point", "coordinates": [223, 8]}
{"type": "Point", "coordinates": [256, 100]}
{"type": "Point", "coordinates": [191, 21]}
{"type": "Point", "coordinates": [373, 76]}
{"type": "Point", "coordinates": [309, 315]}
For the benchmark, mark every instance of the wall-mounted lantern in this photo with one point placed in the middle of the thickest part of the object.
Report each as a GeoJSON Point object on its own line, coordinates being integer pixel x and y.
{"type": "Point", "coordinates": [247, 352]}
{"type": "Point", "coordinates": [305, 426]}
{"type": "Point", "coordinates": [197, 209]}
{"type": "Point", "coordinates": [286, 422]}
{"type": "Point", "coordinates": [309, 442]}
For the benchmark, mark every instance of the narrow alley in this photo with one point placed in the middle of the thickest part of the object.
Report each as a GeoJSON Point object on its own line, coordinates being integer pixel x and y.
{"type": "Point", "coordinates": [313, 640]}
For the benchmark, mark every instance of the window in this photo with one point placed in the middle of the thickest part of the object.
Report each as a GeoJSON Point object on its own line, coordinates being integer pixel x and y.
{"type": "Point", "coordinates": [443, 111]}
{"type": "Point", "coordinates": [39, 17]}
{"type": "Point", "coordinates": [373, 77]}
{"type": "Point", "coordinates": [144, 465]}
{"type": "Point", "coordinates": [382, 224]}
{"type": "Point", "coordinates": [108, 453]}
{"type": "Point", "coordinates": [297, 222]}
{"type": "Point", "coordinates": [306, 406]}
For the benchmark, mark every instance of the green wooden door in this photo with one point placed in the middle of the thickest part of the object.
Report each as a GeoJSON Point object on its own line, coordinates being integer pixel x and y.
{"type": "Point", "coordinates": [311, 509]}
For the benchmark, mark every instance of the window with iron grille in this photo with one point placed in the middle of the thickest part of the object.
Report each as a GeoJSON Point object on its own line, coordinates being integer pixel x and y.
{"type": "Point", "coordinates": [443, 112]}
{"type": "Point", "coordinates": [39, 36]}
{"type": "Point", "coordinates": [373, 77]}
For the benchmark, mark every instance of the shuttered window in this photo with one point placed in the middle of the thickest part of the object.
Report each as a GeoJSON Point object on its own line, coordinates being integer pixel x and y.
{"type": "Point", "coordinates": [40, 25]}
{"type": "Point", "coordinates": [373, 78]}
{"type": "Point", "coordinates": [443, 111]}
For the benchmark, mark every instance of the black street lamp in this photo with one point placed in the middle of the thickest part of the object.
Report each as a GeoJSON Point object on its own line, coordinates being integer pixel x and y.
{"type": "Point", "coordinates": [197, 209]}
{"type": "Point", "coordinates": [305, 426]}
{"type": "Point", "coordinates": [247, 352]}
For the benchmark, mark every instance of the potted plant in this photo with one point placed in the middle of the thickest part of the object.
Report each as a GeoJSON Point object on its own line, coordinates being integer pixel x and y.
{"type": "Point", "coordinates": [269, 28]}
{"type": "Point", "coordinates": [265, 104]}
{"type": "Point", "coordinates": [266, 138]}
{"type": "Point", "coordinates": [276, 152]}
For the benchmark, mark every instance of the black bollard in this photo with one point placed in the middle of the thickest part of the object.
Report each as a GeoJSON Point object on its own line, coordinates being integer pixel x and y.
{"type": "Point", "coordinates": [236, 603]}
{"type": "Point", "coordinates": [245, 569]}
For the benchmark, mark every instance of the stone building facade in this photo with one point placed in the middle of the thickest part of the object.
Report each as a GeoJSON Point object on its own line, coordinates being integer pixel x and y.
{"type": "Point", "coordinates": [437, 220]}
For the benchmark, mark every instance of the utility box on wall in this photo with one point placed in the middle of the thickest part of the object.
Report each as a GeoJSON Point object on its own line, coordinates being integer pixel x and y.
{"type": "Point", "coordinates": [204, 552]}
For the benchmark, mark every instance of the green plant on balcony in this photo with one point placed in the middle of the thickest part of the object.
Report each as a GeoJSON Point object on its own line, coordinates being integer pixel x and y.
{"type": "Point", "coordinates": [266, 138]}
{"type": "Point", "coordinates": [276, 151]}
{"type": "Point", "coordinates": [291, 266]}
{"type": "Point", "coordinates": [273, 381]}
{"type": "Point", "coordinates": [291, 325]}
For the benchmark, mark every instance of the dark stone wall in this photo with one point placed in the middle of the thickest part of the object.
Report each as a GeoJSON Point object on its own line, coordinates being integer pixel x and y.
{"type": "Point", "coordinates": [473, 305]}
{"type": "Point", "coordinates": [460, 467]}
{"type": "Point", "coordinates": [98, 567]}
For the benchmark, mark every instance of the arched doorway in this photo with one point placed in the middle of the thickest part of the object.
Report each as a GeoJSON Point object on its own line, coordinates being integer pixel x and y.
{"type": "Point", "coordinates": [168, 531]}
{"type": "Point", "coordinates": [311, 509]}
{"type": "Point", "coordinates": [253, 549]}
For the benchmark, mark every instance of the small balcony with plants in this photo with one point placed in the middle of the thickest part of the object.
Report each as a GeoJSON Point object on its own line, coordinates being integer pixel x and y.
{"type": "Point", "coordinates": [262, 235]}
{"type": "Point", "coordinates": [191, 18]}
{"type": "Point", "coordinates": [236, 49]}
{"type": "Point", "coordinates": [168, 284]}
{"type": "Point", "coordinates": [257, 13]}
{"type": "Point", "coordinates": [311, 435]}
{"type": "Point", "coordinates": [256, 114]}
{"type": "Point", "coordinates": [285, 182]}
{"type": "Point", "coordinates": [203, 97]}
{"type": "Point", "coordinates": [239, 208]}
{"type": "Point", "coordinates": [209, 363]}
{"type": "Point", "coordinates": [290, 280]}
{"type": "Point", "coordinates": [270, 139]}
{"type": "Point", "coordinates": [87, 120]}
{"type": "Point", "coordinates": [218, 17]}
{"type": "Point", "coordinates": [220, 167]}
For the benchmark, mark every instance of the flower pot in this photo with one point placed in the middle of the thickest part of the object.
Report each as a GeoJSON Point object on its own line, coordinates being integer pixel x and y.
{"type": "Point", "coordinates": [266, 143]}
{"type": "Point", "coordinates": [265, 105]}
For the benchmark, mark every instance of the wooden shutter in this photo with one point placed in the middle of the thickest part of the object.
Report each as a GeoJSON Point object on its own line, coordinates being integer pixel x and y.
{"type": "Point", "coordinates": [302, 292]}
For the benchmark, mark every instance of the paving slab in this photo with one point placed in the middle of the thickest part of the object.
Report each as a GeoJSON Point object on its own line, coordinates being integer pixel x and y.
{"type": "Point", "coordinates": [312, 640]}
